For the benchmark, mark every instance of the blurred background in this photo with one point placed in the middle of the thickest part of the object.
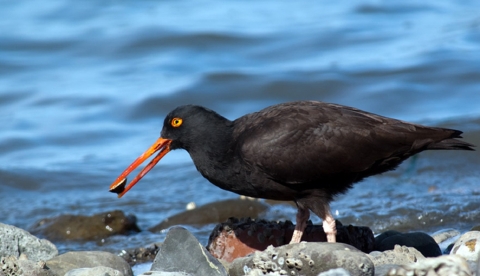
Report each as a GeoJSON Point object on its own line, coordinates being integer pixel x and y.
{"type": "Point", "coordinates": [85, 85]}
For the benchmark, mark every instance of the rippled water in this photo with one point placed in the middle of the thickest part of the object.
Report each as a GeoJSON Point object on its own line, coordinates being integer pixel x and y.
{"type": "Point", "coordinates": [84, 87]}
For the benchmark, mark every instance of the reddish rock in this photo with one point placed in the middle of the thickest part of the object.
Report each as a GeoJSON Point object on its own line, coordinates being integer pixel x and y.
{"type": "Point", "coordinates": [238, 238]}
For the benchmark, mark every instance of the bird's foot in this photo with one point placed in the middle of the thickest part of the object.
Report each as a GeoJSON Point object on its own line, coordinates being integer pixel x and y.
{"type": "Point", "coordinates": [330, 229]}
{"type": "Point", "coordinates": [302, 217]}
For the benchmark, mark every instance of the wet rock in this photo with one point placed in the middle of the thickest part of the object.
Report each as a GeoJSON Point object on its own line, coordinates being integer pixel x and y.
{"type": "Point", "coordinates": [305, 258]}
{"type": "Point", "coordinates": [162, 273]}
{"type": "Point", "coordinates": [214, 212]}
{"type": "Point", "coordinates": [468, 246]}
{"type": "Point", "coordinates": [77, 227]}
{"type": "Point", "coordinates": [419, 240]}
{"type": "Point", "coordinates": [182, 252]}
{"type": "Point", "coordinates": [94, 271]}
{"type": "Point", "coordinates": [237, 238]}
{"type": "Point", "coordinates": [441, 266]}
{"type": "Point", "coordinates": [400, 255]}
{"type": "Point", "coordinates": [15, 241]}
{"type": "Point", "coordinates": [88, 259]}
{"type": "Point", "coordinates": [140, 255]}
{"type": "Point", "coordinates": [13, 266]}
{"type": "Point", "coordinates": [335, 272]}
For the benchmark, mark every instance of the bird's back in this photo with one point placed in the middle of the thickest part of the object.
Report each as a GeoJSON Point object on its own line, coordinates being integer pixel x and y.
{"type": "Point", "coordinates": [313, 142]}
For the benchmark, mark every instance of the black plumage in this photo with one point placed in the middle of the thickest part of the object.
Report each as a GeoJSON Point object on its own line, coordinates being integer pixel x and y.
{"type": "Point", "coordinates": [306, 152]}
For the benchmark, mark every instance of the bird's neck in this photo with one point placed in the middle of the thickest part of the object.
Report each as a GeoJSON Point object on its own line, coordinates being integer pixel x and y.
{"type": "Point", "coordinates": [214, 155]}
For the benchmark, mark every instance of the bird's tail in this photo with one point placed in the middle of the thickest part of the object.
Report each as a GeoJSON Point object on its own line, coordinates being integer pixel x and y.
{"type": "Point", "coordinates": [452, 143]}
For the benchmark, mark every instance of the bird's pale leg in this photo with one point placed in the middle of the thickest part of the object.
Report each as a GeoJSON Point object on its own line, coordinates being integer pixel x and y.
{"type": "Point", "coordinates": [302, 218]}
{"type": "Point", "coordinates": [329, 226]}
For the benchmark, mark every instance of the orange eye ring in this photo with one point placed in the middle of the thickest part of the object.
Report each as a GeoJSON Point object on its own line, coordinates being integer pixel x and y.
{"type": "Point", "coordinates": [176, 122]}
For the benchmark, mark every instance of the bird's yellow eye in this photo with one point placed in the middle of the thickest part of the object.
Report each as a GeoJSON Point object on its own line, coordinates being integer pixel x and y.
{"type": "Point", "coordinates": [176, 122]}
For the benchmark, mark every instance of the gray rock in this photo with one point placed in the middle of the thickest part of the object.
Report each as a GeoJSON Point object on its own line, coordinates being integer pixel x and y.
{"type": "Point", "coordinates": [382, 270]}
{"type": "Point", "coordinates": [88, 259]}
{"type": "Point", "coordinates": [303, 258]}
{"type": "Point", "coordinates": [443, 235]}
{"type": "Point", "coordinates": [400, 255]}
{"type": "Point", "coordinates": [15, 241]}
{"type": "Point", "coordinates": [182, 252]}
{"type": "Point", "coordinates": [13, 266]}
{"type": "Point", "coordinates": [419, 240]}
{"type": "Point", "coordinates": [447, 265]}
{"type": "Point", "coordinates": [468, 246]}
{"type": "Point", "coordinates": [94, 271]}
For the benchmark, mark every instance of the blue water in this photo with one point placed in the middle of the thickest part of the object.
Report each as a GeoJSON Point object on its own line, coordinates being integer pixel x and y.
{"type": "Point", "coordinates": [84, 87]}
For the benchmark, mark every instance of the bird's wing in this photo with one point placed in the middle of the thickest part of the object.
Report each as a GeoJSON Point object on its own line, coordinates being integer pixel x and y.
{"type": "Point", "coordinates": [306, 141]}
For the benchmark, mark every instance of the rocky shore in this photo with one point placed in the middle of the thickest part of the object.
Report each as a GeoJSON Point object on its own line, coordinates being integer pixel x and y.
{"type": "Point", "coordinates": [235, 247]}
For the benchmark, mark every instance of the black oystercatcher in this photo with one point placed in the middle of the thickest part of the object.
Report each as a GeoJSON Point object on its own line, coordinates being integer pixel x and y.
{"type": "Point", "coordinates": [306, 151]}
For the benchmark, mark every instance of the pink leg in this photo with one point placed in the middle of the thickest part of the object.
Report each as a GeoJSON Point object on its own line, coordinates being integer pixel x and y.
{"type": "Point", "coordinates": [329, 226]}
{"type": "Point", "coordinates": [302, 218]}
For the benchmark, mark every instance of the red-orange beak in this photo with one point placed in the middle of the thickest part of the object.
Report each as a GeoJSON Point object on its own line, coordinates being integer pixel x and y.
{"type": "Point", "coordinates": [118, 186]}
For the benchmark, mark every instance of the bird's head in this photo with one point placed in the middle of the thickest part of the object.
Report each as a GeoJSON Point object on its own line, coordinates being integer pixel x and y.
{"type": "Point", "coordinates": [185, 127]}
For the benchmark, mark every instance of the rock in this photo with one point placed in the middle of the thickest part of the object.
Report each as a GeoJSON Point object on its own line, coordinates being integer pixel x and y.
{"type": "Point", "coordinates": [140, 255]}
{"type": "Point", "coordinates": [238, 238]}
{"type": "Point", "coordinates": [88, 259]}
{"type": "Point", "coordinates": [13, 266]}
{"type": "Point", "coordinates": [73, 227]}
{"type": "Point", "coordinates": [305, 258]}
{"type": "Point", "coordinates": [214, 212]}
{"type": "Point", "coordinates": [441, 266]}
{"type": "Point", "coordinates": [15, 241]}
{"type": "Point", "coordinates": [444, 235]}
{"type": "Point", "coordinates": [400, 255]}
{"type": "Point", "coordinates": [94, 271]}
{"type": "Point", "coordinates": [419, 240]}
{"type": "Point", "coordinates": [335, 272]}
{"type": "Point", "coordinates": [182, 252]}
{"type": "Point", "coordinates": [163, 273]}
{"type": "Point", "coordinates": [382, 270]}
{"type": "Point", "coordinates": [468, 246]}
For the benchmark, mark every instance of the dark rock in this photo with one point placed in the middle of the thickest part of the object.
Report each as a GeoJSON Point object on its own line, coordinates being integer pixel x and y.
{"type": "Point", "coordinates": [214, 212]}
{"type": "Point", "coordinates": [76, 227]}
{"type": "Point", "coordinates": [140, 255]}
{"type": "Point", "coordinates": [15, 241]}
{"type": "Point", "coordinates": [94, 271]}
{"type": "Point", "coordinates": [468, 246]}
{"type": "Point", "coordinates": [419, 240]}
{"type": "Point", "coordinates": [441, 266]}
{"type": "Point", "coordinates": [305, 258]}
{"type": "Point", "coordinates": [88, 259]}
{"type": "Point", "coordinates": [182, 252]}
{"type": "Point", "coordinates": [237, 238]}
{"type": "Point", "coordinates": [400, 255]}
